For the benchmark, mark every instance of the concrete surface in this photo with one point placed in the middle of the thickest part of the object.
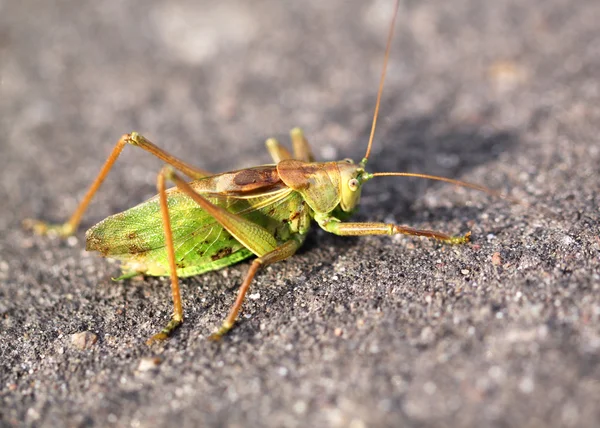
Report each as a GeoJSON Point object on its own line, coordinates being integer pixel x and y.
{"type": "Point", "coordinates": [351, 332]}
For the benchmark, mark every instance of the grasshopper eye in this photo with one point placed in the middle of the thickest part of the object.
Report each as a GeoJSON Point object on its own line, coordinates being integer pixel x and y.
{"type": "Point", "coordinates": [353, 184]}
{"type": "Point", "coordinates": [348, 160]}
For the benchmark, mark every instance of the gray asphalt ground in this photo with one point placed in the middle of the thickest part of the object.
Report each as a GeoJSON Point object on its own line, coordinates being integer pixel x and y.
{"type": "Point", "coordinates": [351, 332]}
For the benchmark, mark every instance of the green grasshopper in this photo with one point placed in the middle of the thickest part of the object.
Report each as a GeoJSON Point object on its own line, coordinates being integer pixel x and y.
{"type": "Point", "coordinates": [217, 220]}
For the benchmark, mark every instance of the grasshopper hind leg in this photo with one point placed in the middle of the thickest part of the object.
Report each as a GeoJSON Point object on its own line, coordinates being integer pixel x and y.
{"type": "Point", "coordinates": [70, 226]}
{"type": "Point", "coordinates": [302, 150]}
{"type": "Point", "coordinates": [253, 236]}
{"type": "Point", "coordinates": [177, 317]}
{"type": "Point", "coordinates": [277, 151]}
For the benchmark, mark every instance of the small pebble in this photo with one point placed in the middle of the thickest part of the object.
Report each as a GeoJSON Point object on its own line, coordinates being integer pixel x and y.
{"type": "Point", "coordinates": [496, 259]}
{"type": "Point", "coordinates": [148, 364]}
{"type": "Point", "coordinates": [84, 340]}
{"type": "Point", "coordinates": [300, 407]}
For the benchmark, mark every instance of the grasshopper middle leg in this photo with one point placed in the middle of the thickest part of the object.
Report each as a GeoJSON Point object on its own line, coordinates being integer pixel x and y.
{"type": "Point", "coordinates": [134, 139]}
{"type": "Point", "coordinates": [282, 252]}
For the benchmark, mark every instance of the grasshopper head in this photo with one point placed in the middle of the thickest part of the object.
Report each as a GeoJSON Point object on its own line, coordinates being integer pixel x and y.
{"type": "Point", "coordinates": [325, 185]}
{"type": "Point", "coordinates": [352, 177]}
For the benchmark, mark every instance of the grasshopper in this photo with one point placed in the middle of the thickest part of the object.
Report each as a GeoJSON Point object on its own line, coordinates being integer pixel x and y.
{"type": "Point", "coordinates": [217, 220]}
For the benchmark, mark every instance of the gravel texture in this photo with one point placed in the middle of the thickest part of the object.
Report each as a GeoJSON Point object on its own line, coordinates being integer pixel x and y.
{"type": "Point", "coordinates": [351, 332]}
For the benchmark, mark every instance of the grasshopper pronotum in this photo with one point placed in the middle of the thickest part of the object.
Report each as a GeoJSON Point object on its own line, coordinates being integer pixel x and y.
{"type": "Point", "coordinates": [219, 219]}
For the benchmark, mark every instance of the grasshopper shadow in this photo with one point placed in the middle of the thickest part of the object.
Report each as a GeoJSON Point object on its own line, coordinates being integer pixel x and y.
{"type": "Point", "coordinates": [436, 145]}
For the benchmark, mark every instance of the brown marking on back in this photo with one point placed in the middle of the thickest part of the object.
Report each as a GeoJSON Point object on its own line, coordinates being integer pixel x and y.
{"type": "Point", "coordinates": [244, 182]}
{"type": "Point", "coordinates": [255, 178]}
{"type": "Point", "coordinates": [134, 248]}
{"type": "Point", "coordinates": [132, 235]}
{"type": "Point", "coordinates": [248, 176]}
{"type": "Point", "coordinates": [222, 253]}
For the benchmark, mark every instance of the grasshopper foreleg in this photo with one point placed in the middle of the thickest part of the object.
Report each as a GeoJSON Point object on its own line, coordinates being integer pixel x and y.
{"type": "Point", "coordinates": [135, 139]}
{"type": "Point", "coordinates": [337, 227]}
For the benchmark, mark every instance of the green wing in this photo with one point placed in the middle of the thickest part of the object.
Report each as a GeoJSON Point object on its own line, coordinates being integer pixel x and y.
{"type": "Point", "coordinates": [136, 236]}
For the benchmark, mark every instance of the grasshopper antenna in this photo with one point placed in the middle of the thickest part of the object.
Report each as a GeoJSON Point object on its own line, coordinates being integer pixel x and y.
{"type": "Point", "coordinates": [381, 81]}
{"type": "Point", "coordinates": [368, 176]}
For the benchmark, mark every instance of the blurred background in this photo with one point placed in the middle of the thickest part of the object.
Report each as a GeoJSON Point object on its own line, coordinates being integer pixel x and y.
{"type": "Point", "coordinates": [500, 333]}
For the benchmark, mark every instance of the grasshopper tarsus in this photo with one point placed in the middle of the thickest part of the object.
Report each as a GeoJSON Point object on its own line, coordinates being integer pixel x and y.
{"type": "Point", "coordinates": [166, 332]}
{"type": "Point", "coordinates": [218, 335]}
{"type": "Point", "coordinates": [222, 330]}
{"type": "Point", "coordinates": [39, 227]}
{"type": "Point", "coordinates": [157, 338]}
{"type": "Point", "coordinates": [462, 239]}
